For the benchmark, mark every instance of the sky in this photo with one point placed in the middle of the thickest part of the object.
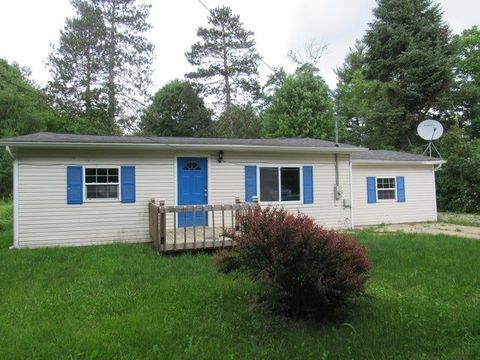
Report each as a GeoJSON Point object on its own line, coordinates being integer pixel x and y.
{"type": "Point", "coordinates": [29, 27]}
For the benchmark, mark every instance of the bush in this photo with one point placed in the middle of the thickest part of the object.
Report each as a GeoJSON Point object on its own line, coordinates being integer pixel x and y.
{"type": "Point", "coordinates": [6, 214]}
{"type": "Point", "coordinates": [303, 269]}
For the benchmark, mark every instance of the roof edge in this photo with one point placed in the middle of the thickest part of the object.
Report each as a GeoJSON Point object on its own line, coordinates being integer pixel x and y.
{"type": "Point", "coordinates": [399, 162]}
{"type": "Point", "coordinates": [176, 146]}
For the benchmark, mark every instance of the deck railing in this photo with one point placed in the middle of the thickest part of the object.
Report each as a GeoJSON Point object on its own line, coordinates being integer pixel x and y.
{"type": "Point", "coordinates": [167, 235]}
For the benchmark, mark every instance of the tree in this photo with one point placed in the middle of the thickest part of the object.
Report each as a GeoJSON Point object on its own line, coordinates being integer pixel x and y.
{"type": "Point", "coordinates": [353, 96]}
{"type": "Point", "coordinates": [176, 110]}
{"type": "Point", "coordinates": [76, 66]}
{"type": "Point", "coordinates": [24, 109]}
{"type": "Point", "coordinates": [237, 122]}
{"type": "Point", "coordinates": [104, 50]}
{"type": "Point", "coordinates": [225, 59]}
{"type": "Point", "coordinates": [461, 105]}
{"type": "Point", "coordinates": [301, 107]}
{"type": "Point", "coordinates": [309, 57]}
{"type": "Point", "coordinates": [458, 179]}
{"type": "Point", "coordinates": [410, 55]}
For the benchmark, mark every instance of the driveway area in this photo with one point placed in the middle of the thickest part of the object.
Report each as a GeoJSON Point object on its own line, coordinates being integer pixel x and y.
{"type": "Point", "coordinates": [439, 228]}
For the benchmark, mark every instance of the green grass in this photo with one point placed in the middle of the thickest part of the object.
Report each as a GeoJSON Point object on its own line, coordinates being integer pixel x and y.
{"type": "Point", "coordinates": [459, 219]}
{"type": "Point", "coordinates": [126, 302]}
{"type": "Point", "coordinates": [6, 213]}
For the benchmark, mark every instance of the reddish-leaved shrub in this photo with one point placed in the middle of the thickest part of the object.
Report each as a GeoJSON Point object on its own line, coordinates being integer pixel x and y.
{"type": "Point", "coordinates": [304, 269]}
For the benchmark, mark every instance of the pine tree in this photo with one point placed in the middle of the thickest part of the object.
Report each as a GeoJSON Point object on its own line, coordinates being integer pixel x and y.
{"type": "Point", "coordinates": [226, 60]}
{"type": "Point", "coordinates": [409, 54]}
{"type": "Point", "coordinates": [76, 65]}
{"type": "Point", "coordinates": [128, 58]}
{"type": "Point", "coordinates": [101, 67]}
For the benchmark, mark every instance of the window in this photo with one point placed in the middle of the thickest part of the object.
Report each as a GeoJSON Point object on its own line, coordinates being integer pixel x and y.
{"type": "Point", "coordinates": [191, 166]}
{"type": "Point", "coordinates": [386, 189]}
{"type": "Point", "coordinates": [280, 184]}
{"type": "Point", "coordinates": [101, 183]}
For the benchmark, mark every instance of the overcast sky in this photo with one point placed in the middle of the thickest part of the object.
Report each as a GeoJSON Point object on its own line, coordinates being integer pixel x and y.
{"type": "Point", "coordinates": [28, 27]}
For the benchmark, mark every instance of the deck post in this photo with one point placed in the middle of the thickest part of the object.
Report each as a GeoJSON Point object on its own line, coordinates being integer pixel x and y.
{"type": "Point", "coordinates": [162, 223]}
{"type": "Point", "coordinates": [256, 206]}
{"type": "Point", "coordinates": [237, 214]}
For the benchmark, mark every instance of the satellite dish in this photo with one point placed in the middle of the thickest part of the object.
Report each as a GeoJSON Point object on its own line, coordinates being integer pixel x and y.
{"type": "Point", "coordinates": [430, 130]}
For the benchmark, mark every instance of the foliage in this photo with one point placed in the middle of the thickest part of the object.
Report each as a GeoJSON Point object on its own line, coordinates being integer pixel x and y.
{"type": "Point", "coordinates": [176, 110]}
{"type": "Point", "coordinates": [409, 54]}
{"type": "Point", "coordinates": [353, 97]}
{"type": "Point", "coordinates": [77, 68]}
{"type": "Point", "coordinates": [24, 109]}
{"type": "Point", "coordinates": [301, 107]}
{"type": "Point", "coordinates": [303, 269]}
{"type": "Point", "coordinates": [225, 59]}
{"type": "Point", "coordinates": [6, 214]}
{"type": "Point", "coordinates": [112, 302]}
{"type": "Point", "coordinates": [274, 81]}
{"type": "Point", "coordinates": [237, 122]}
{"type": "Point", "coordinates": [461, 105]}
{"type": "Point", "coordinates": [458, 179]}
{"type": "Point", "coordinates": [101, 67]}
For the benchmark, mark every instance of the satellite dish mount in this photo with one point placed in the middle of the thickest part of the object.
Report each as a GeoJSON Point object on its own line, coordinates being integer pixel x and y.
{"type": "Point", "coordinates": [430, 130]}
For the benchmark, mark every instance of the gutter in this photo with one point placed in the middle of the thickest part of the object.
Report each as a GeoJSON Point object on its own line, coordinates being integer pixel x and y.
{"type": "Point", "coordinates": [398, 162]}
{"type": "Point", "coordinates": [173, 146]}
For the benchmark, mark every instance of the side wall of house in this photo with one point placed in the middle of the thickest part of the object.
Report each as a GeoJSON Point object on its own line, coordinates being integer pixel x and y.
{"type": "Point", "coordinates": [45, 219]}
{"type": "Point", "coordinates": [420, 197]}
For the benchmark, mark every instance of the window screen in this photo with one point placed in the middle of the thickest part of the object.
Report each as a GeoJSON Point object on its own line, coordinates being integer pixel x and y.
{"type": "Point", "coordinates": [101, 183]}
{"type": "Point", "coordinates": [290, 180]}
{"type": "Point", "coordinates": [386, 188]}
{"type": "Point", "coordinates": [268, 184]}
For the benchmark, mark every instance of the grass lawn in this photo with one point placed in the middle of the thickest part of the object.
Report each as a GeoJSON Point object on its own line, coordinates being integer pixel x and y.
{"type": "Point", "coordinates": [459, 219]}
{"type": "Point", "coordinates": [126, 302]}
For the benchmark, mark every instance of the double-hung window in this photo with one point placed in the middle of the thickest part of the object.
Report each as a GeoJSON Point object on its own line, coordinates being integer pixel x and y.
{"type": "Point", "coordinates": [102, 183]}
{"type": "Point", "coordinates": [386, 189]}
{"type": "Point", "coordinates": [280, 183]}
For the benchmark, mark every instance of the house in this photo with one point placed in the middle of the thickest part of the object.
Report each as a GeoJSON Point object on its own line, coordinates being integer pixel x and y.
{"type": "Point", "coordinates": [82, 189]}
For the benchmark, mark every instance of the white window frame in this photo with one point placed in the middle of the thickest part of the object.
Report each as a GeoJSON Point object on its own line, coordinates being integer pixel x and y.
{"type": "Point", "coordinates": [86, 199]}
{"type": "Point", "coordinates": [293, 202]}
{"type": "Point", "coordinates": [394, 188]}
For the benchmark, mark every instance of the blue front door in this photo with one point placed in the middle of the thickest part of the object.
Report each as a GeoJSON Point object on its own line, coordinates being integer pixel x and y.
{"type": "Point", "coordinates": [192, 188]}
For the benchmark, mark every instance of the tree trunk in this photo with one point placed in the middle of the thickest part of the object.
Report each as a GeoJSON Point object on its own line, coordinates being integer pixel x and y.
{"type": "Point", "coordinates": [112, 105]}
{"type": "Point", "coordinates": [88, 90]}
{"type": "Point", "coordinates": [228, 94]}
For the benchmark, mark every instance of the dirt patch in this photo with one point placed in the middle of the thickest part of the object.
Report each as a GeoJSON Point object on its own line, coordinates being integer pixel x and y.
{"type": "Point", "coordinates": [472, 232]}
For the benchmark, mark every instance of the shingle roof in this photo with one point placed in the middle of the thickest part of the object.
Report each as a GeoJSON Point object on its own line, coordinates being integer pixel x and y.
{"type": "Point", "coordinates": [46, 137]}
{"type": "Point", "coordinates": [387, 155]}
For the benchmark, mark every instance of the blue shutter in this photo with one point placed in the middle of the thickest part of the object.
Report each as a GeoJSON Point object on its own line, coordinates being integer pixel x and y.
{"type": "Point", "coordinates": [74, 185]}
{"type": "Point", "coordinates": [128, 184]}
{"type": "Point", "coordinates": [401, 188]}
{"type": "Point", "coordinates": [250, 182]}
{"type": "Point", "coordinates": [308, 184]}
{"type": "Point", "coordinates": [371, 189]}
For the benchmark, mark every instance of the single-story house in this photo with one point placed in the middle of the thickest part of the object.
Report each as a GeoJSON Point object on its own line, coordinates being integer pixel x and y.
{"type": "Point", "coordinates": [82, 189]}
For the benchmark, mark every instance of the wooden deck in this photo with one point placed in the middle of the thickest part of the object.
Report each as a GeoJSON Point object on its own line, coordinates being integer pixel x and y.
{"type": "Point", "coordinates": [167, 236]}
{"type": "Point", "coordinates": [184, 239]}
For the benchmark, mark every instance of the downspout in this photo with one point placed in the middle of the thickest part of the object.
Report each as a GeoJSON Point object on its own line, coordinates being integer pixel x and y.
{"type": "Point", "coordinates": [338, 188]}
{"type": "Point", "coordinates": [15, 198]}
{"type": "Point", "coordinates": [9, 151]}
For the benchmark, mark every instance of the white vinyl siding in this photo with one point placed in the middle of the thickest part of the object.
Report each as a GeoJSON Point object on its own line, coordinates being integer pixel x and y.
{"type": "Point", "coordinates": [420, 204]}
{"type": "Point", "coordinates": [228, 181]}
{"type": "Point", "coordinates": [45, 219]}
